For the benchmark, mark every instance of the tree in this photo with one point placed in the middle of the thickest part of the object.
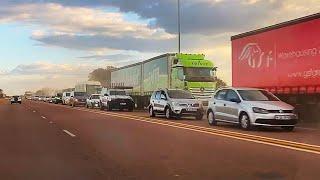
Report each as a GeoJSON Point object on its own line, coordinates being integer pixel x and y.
{"type": "Point", "coordinates": [102, 75]}
{"type": "Point", "coordinates": [220, 83]}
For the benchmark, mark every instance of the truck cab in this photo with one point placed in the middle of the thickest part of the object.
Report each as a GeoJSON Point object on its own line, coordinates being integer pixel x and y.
{"type": "Point", "coordinates": [194, 73]}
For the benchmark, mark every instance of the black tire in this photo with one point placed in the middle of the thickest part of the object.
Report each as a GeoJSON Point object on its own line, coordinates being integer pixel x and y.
{"type": "Point", "coordinates": [199, 116]}
{"type": "Point", "coordinates": [109, 108]}
{"type": "Point", "coordinates": [168, 112]}
{"type": "Point", "coordinates": [244, 121]}
{"type": "Point", "coordinates": [87, 106]}
{"type": "Point", "coordinates": [211, 119]}
{"type": "Point", "coordinates": [101, 107]}
{"type": "Point", "coordinates": [288, 128]}
{"type": "Point", "coordinates": [151, 112]}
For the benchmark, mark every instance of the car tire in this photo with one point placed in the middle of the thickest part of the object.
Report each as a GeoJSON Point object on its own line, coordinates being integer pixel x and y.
{"type": "Point", "coordinates": [288, 128]}
{"type": "Point", "coordinates": [87, 106]}
{"type": "Point", "coordinates": [168, 112]}
{"type": "Point", "coordinates": [109, 108]}
{"type": "Point", "coordinates": [151, 112]}
{"type": "Point", "coordinates": [211, 119]}
{"type": "Point", "coordinates": [101, 107]}
{"type": "Point", "coordinates": [244, 121]}
{"type": "Point", "coordinates": [199, 116]}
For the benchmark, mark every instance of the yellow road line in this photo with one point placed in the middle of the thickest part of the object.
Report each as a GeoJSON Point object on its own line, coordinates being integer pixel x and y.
{"type": "Point", "coordinates": [235, 135]}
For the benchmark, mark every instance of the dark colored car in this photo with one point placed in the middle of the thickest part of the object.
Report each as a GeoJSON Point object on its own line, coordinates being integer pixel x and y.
{"type": "Point", "coordinates": [57, 99]}
{"type": "Point", "coordinates": [78, 99]}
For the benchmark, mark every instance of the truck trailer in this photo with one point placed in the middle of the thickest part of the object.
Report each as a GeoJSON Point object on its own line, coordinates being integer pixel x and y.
{"type": "Point", "coordinates": [173, 71]}
{"type": "Point", "coordinates": [90, 87]}
{"type": "Point", "coordinates": [284, 59]}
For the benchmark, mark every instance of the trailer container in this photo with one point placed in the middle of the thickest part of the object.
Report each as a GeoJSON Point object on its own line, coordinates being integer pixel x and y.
{"type": "Point", "coordinates": [283, 58]}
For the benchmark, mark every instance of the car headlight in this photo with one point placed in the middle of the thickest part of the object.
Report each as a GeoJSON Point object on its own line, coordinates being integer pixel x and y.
{"type": "Point", "coordinates": [260, 110]}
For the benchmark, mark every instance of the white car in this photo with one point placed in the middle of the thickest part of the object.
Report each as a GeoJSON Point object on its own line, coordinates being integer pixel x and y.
{"type": "Point", "coordinates": [66, 98]}
{"type": "Point", "coordinates": [250, 107]}
{"type": "Point", "coordinates": [93, 101]}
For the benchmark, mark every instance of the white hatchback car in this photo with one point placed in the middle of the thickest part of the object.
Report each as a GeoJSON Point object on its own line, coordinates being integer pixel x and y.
{"type": "Point", "coordinates": [250, 107]}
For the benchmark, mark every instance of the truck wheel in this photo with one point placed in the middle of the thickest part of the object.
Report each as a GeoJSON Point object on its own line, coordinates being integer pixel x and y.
{"type": "Point", "coordinates": [168, 112]}
{"type": "Point", "coordinates": [151, 112]}
{"type": "Point", "coordinates": [245, 121]}
{"type": "Point", "coordinates": [288, 128]}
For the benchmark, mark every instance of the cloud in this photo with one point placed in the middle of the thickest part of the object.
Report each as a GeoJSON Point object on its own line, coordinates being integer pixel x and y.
{"type": "Point", "coordinates": [94, 42]}
{"type": "Point", "coordinates": [58, 19]}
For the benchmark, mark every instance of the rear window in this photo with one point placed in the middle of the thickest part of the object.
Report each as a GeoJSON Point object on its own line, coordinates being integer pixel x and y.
{"type": "Point", "coordinates": [121, 93]}
{"type": "Point", "coordinates": [95, 97]}
{"type": "Point", "coordinates": [79, 94]}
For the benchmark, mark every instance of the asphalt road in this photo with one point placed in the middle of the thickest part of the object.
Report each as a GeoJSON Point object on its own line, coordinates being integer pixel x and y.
{"type": "Point", "coordinates": [46, 141]}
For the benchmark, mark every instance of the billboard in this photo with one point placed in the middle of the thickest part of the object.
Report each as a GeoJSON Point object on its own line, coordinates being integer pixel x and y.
{"type": "Point", "coordinates": [155, 74]}
{"type": "Point", "coordinates": [285, 57]}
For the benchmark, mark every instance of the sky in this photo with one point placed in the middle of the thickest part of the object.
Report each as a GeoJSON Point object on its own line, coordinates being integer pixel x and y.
{"type": "Point", "coordinates": [56, 43]}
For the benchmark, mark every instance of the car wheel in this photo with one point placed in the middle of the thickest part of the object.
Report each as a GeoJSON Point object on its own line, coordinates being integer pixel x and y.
{"type": "Point", "coordinates": [288, 128]}
{"type": "Point", "coordinates": [101, 107]}
{"type": "Point", "coordinates": [199, 116]}
{"type": "Point", "coordinates": [168, 112]}
{"type": "Point", "coordinates": [245, 122]}
{"type": "Point", "coordinates": [151, 112]}
{"type": "Point", "coordinates": [87, 106]}
{"type": "Point", "coordinates": [109, 108]}
{"type": "Point", "coordinates": [211, 119]}
{"type": "Point", "coordinates": [130, 109]}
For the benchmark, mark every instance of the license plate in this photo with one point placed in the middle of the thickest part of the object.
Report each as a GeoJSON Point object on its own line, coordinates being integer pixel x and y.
{"type": "Point", "coordinates": [283, 117]}
{"type": "Point", "coordinates": [123, 104]}
{"type": "Point", "coordinates": [191, 109]}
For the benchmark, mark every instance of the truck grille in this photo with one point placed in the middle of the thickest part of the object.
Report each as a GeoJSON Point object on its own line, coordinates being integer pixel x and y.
{"type": "Point", "coordinates": [202, 94]}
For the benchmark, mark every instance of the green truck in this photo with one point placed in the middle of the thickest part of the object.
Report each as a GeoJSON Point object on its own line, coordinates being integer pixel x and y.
{"type": "Point", "coordinates": [173, 71]}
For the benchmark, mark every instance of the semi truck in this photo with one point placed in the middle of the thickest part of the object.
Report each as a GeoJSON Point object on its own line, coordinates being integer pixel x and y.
{"type": "Point", "coordinates": [284, 59]}
{"type": "Point", "coordinates": [173, 71]}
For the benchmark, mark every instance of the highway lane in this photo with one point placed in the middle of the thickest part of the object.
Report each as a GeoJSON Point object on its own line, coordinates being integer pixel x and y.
{"type": "Point", "coordinates": [145, 150]}
{"type": "Point", "coordinates": [33, 148]}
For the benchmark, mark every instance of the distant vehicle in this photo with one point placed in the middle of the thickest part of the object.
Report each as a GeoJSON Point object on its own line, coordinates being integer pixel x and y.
{"type": "Point", "coordinates": [89, 87]}
{"type": "Point", "coordinates": [15, 100]}
{"type": "Point", "coordinates": [57, 99]}
{"type": "Point", "coordinates": [78, 98]}
{"type": "Point", "coordinates": [116, 99]}
{"type": "Point", "coordinates": [250, 107]}
{"type": "Point", "coordinates": [175, 103]}
{"type": "Point", "coordinates": [93, 101]}
{"type": "Point", "coordinates": [66, 98]}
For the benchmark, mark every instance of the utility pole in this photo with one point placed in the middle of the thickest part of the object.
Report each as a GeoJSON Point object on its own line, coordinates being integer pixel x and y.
{"type": "Point", "coordinates": [179, 27]}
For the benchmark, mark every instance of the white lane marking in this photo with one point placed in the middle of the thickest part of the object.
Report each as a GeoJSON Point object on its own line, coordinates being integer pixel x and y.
{"type": "Point", "coordinates": [69, 133]}
{"type": "Point", "coordinates": [43, 117]}
{"type": "Point", "coordinates": [311, 129]}
{"type": "Point", "coordinates": [51, 122]}
{"type": "Point", "coordinates": [34, 111]}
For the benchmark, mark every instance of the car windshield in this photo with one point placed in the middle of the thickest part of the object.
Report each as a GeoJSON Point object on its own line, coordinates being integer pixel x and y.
{"type": "Point", "coordinates": [79, 94]}
{"type": "Point", "coordinates": [180, 94]}
{"type": "Point", "coordinates": [257, 95]}
{"type": "Point", "coordinates": [95, 97]}
{"type": "Point", "coordinates": [122, 93]}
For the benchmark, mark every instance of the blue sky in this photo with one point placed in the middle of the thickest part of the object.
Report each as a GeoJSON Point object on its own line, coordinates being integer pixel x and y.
{"type": "Point", "coordinates": [56, 43]}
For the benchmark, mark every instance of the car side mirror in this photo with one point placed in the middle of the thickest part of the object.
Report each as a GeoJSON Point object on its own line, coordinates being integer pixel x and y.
{"type": "Point", "coordinates": [235, 100]}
